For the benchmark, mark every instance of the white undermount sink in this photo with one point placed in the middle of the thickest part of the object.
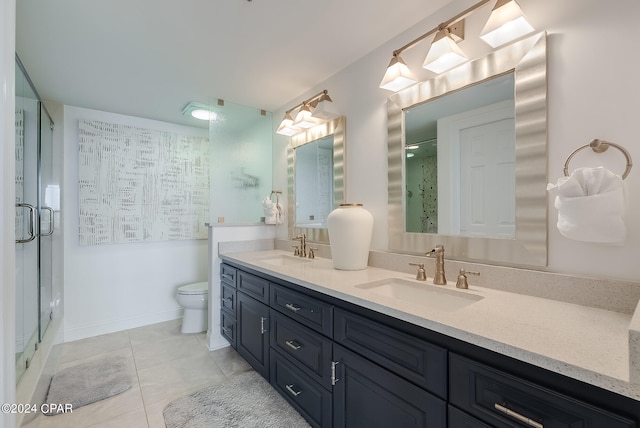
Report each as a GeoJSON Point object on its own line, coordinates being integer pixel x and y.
{"type": "Point", "coordinates": [285, 260]}
{"type": "Point", "coordinates": [420, 293]}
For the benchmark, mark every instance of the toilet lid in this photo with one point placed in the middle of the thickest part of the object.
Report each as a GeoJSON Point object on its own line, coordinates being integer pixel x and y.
{"type": "Point", "coordinates": [195, 288]}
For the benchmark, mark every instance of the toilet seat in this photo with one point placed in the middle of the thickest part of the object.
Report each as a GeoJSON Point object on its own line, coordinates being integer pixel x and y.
{"type": "Point", "coordinates": [194, 289]}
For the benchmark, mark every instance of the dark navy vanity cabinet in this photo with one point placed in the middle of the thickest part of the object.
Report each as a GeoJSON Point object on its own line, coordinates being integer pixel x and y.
{"type": "Point", "coordinates": [342, 365]}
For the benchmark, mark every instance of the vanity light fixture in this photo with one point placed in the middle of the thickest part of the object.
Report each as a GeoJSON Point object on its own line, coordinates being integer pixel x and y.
{"type": "Point", "coordinates": [286, 126]}
{"type": "Point", "coordinates": [398, 76]}
{"type": "Point", "coordinates": [320, 109]}
{"type": "Point", "coordinates": [444, 53]}
{"type": "Point", "coordinates": [306, 116]}
{"type": "Point", "coordinates": [303, 118]}
{"type": "Point", "coordinates": [505, 24]}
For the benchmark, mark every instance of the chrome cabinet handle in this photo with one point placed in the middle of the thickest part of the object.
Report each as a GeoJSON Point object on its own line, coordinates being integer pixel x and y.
{"type": "Point", "coordinates": [227, 276]}
{"type": "Point", "coordinates": [228, 299]}
{"type": "Point", "coordinates": [292, 307]}
{"type": "Point", "coordinates": [226, 329]}
{"type": "Point", "coordinates": [334, 379]}
{"type": "Point", "coordinates": [32, 222]}
{"type": "Point", "coordinates": [293, 345]}
{"type": "Point", "coordinates": [51, 224]}
{"type": "Point", "coordinates": [518, 416]}
{"type": "Point", "coordinates": [263, 329]}
{"type": "Point", "coordinates": [292, 391]}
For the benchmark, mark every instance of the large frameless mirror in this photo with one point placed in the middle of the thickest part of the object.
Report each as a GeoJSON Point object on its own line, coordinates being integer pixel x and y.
{"type": "Point", "coordinates": [316, 178]}
{"type": "Point", "coordinates": [467, 159]}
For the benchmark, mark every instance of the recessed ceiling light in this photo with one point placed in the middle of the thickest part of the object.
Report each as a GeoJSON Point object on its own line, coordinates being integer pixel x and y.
{"type": "Point", "coordinates": [199, 111]}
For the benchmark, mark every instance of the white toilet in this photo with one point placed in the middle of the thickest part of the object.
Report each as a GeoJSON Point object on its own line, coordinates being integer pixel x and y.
{"type": "Point", "coordinates": [194, 298]}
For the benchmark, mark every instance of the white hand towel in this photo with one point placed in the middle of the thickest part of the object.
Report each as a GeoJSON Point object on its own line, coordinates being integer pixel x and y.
{"type": "Point", "coordinates": [590, 206]}
{"type": "Point", "coordinates": [279, 214]}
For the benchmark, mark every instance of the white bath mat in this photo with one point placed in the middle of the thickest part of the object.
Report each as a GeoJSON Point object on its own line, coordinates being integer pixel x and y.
{"type": "Point", "coordinates": [87, 383]}
{"type": "Point", "coordinates": [245, 401]}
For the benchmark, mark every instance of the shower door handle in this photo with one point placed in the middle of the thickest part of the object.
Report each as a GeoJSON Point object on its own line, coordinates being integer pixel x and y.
{"type": "Point", "coordinates": [32, 223]}
{"type": "Point", "coordinates": [51, 225]}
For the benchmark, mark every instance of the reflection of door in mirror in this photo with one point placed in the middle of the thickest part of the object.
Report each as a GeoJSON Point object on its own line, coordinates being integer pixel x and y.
{"type": "Point", "coordinates": [460, 162]}
{"type": "Point", "coordinates": [314, 183]}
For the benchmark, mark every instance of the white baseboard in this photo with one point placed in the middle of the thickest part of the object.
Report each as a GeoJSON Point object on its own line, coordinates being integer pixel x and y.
{"type": "Point", "coordinates": [82, 332]}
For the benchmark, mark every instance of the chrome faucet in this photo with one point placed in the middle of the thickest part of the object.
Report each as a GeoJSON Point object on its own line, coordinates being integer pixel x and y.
{"type": "Point", "coordinates": [438, 253]}
{"type": "Point", "coordinates": [302, 252]}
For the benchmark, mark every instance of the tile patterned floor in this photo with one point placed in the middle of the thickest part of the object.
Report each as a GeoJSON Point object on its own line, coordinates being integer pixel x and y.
{"type": "Point", "coordinates": [165, 365]}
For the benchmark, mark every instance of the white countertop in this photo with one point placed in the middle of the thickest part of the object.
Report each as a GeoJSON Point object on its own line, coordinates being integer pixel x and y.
{"type": "Point", "coordinates": [584, 343]}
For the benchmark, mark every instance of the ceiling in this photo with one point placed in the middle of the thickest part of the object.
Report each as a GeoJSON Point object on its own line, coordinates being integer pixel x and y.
{"type": "Point", "coordinates": [149, 58]}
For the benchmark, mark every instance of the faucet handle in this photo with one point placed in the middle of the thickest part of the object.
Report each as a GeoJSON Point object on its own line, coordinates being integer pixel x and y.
{"type": "Point", "coordinates": [312, 252]}
{"type": "Point", "coordinates": [422, 274]}
{"type": "Point", "coordinates": [296, 250]}
{"type": "Point", "coordinates": [462, 278]}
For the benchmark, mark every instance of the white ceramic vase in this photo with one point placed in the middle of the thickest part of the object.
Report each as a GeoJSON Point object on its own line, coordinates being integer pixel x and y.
{"type": "Point", "coordinates": [350, 228]}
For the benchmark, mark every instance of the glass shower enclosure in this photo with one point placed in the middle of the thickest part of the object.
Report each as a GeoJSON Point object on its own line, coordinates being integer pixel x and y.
{"type": "Point", "coordinates": [37, 199]}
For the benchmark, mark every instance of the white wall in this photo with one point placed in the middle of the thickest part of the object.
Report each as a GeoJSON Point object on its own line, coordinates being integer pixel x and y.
{"type": "Point", "coordinates": [114, 287]}
{"type": "Point", "coordinates": [593, 93]}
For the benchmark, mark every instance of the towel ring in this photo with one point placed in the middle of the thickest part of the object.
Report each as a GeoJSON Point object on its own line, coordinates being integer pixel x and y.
{"type": "Point", "coordinates": [600, 146]}
{"type": "Point", "coordinates": [275, 192]}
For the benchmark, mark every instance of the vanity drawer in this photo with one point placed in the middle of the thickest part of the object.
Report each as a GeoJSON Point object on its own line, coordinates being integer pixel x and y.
{"type": "Point", "coordinates": [254, 286]}
{"type": "Point", "coordinates": [306, 310]}
{"type": "Point", "coordinates": [228, 327]}
{"type": "Point", "coordinates": [310, 399]}
{"type": "Point", "coordinates": [308, 349]}
{"type": "Point", "coordinates": [415, 360]}
{"type": "Point", "coordinates": [228, 274]}
{"type": "Point", "coordinates": [228, 298]}
{"type": "Point", "coordinates": [502, 400]}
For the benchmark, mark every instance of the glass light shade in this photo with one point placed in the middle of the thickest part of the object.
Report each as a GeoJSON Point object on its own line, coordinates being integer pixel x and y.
{"type": "Point", "coordinates": [321, 110]}
{"type": "Point", "coordinates": [398, 76]}
{"type": "Point", "coordinates": [286, 127]}
{"type": "Point", "coordinates": [443, 54]}
{"type": "Point", "coordinates": [304, 118]}
{"type": "Point", "coordinates": [505, 24]}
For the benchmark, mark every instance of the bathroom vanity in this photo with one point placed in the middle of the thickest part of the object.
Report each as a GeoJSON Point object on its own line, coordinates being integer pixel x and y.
{"type": "Point", "coordinates": [366, 348]}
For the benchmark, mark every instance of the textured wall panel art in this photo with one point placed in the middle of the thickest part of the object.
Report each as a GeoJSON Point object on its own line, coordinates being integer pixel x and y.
{"type": "Point", "coordinates": [141, 185]}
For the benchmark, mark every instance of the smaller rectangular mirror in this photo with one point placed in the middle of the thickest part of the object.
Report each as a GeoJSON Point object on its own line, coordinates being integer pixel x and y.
{"type": "Point", "coordinates": [315, 164]}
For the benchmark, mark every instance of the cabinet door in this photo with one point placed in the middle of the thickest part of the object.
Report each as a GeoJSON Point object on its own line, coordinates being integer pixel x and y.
{"type": "Point", "coordinates": [368, 396]}
{"type": "Point", "coordinates": [253, 335]}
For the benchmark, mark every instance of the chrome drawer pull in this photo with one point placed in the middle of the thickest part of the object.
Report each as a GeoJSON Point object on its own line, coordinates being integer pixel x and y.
{"type": "Point", "coordinates": [292, 307]}
{"type": "Point", "coordinates": [263, 329]}
{"type": "Point", "coordinates": [292, 391]}
{"type": "Point", "coordinates": [228, 299]}
{"type": "Point", "coordinates": [518, 416]}
{"type": "Point", "coordinates": [227, 276]}
{"type": "Point", "coordinates": [226, 329]}
{"type": "Point", "coordinates": [292, 344]}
